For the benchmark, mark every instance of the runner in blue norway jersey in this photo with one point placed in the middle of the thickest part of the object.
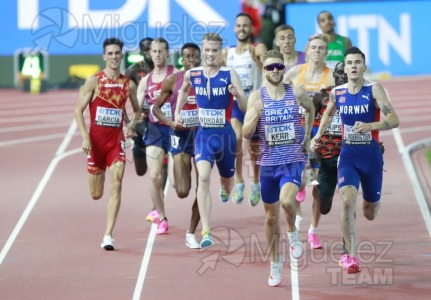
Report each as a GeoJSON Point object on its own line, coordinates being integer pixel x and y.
{"type": "Point", "coordinates": [215, 87]}
{"type": "Point", "coordinates": [359, 102]}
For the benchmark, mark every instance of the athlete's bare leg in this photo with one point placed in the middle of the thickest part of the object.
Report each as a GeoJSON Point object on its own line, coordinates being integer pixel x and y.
{"type": "Point", "coordinates": [155, 156]}
{"type": "Point", "coordinates": [116, 172]}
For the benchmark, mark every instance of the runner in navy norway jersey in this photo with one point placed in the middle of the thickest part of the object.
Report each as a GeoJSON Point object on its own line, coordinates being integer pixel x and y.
{"type": "Point", "coordinates": [215, 87]}
{"type": "Point", "coordinates": [360, 103]}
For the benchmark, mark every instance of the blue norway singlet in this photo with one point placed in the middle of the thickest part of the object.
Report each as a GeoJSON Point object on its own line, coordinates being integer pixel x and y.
{"type": "Point", "coordinates": [357, 107]}
{"type": "Point", "coordinates": [361, 160]}
{"type": "Point", "coordinates": [215, 109]}
{"type": "Point", "coordinates": [279, 129]}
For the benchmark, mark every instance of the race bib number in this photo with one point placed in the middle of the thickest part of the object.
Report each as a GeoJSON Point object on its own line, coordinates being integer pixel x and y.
{"type": "Point", "coordinates": [175, 141]}
{"type": "Point", "coordinates": [283, 134]}
{"type": "Point", "coordinates": [302, 112]}
{"type": "Point", "coordinates": [109, 117]}
{"type": "Point", "coordinates": [335, 126]}
{"type": "Point", "coordinates": [212, 118]}
{"type": "Point", "coordinates": [354, 138]}
{"type": "Point", "coordinates": [166, 110]}
{"type": "Point", "coordinates": [190, 117]}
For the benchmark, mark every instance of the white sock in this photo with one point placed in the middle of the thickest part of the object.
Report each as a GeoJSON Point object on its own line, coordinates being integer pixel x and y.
{"type": "Point", "coordinates": [298, 221]}
{"type": "Point", "coordinates": [291, 234]}
{"type": "Point", "coordinates": [312, 229]}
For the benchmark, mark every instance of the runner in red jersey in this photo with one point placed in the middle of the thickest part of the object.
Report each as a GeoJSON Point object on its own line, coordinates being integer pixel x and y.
{"type": "Point", "coordinates": [106, 94]}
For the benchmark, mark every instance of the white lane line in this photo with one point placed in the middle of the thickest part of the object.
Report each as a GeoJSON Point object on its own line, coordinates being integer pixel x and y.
{"type": "Point", "coordinates": [147, 254]}
{"type": "Point", "coordinates": [66, 141]}
{"type": "Point", "coordinates": [294, 278]}
{"type": "Point", "coordinates": [398, 140]}
{"type": "Point", "coordinates": [33, 127]}
{"type": "Point", "coordinates": [33, 139]}
{"type": "Point", "coordinates": [414, 179]}
{"type": "Point", "coordinates": [48, 173]}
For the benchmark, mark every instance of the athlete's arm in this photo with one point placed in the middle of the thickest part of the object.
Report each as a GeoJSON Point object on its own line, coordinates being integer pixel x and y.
{"type": "Point", "coordinates": [252, 115]}
{"type": "Point", "coordinates": [305, 101]}
{"type": "Point", "coordinates": [85, 97]}
{"type": "Point", "coordinates": [257, 53]}
{"type": "Point", "coordinates": [182, 96]}
{"type": "Point", "coordinates": [318, 100]}
{"type": "Point", "coordinates": [165, 93]}
{"type": "Point", "coordinates": [236, 90]}
{"type": "Point", "coordinates": [326, 120]}
{"type": "Point", "coordinates": [291, 74]}
{"type": "Point", "coordinates": [136, 109]}
{"type": "Point", "coordinates": [142, 87]}
{"type": "Point", "coordinates": [390, 120]}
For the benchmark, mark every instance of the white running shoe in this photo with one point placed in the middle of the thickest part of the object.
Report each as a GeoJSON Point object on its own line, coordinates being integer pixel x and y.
{"type": "Point", "coordinates": [191, 241]}
{"type": "Point", "coordinates": [296, 247]}
{"type": "Point", "coordinates": [274, 278]}
{"type": "Point", "coordinates": [107, 243]}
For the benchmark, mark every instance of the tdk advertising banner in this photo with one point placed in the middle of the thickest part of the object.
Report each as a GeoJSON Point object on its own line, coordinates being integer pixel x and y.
{"type": "Point", "coordinates": [70, 27]}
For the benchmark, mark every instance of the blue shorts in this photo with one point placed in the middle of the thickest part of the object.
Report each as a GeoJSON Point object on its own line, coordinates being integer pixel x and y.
{"type": "Point", "coordinates": [158, 135]}
{"type": "Point", "coordinates": [362, 165]}
{"type": "Point", "coordinates": [272, 179]}
{"type": "Point", "coordinates": [237, 113]}
{"type": "Point", "coordinates": [217, 145]}
{"type": "Point", "coordinates": [183, 141]}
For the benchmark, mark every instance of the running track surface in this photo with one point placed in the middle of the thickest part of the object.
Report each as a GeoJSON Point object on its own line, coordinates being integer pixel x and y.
{"type": "Point", "coordinates": [50, 229]}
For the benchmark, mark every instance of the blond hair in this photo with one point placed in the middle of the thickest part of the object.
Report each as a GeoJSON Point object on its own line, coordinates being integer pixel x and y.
{"type": "Point", "coordinates": [212, 36]}
{"type": "Point", "coordinates": [272, 54]}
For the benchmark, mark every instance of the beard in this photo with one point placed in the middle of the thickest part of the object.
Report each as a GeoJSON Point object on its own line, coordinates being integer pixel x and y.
{"type": "Point", "coordinates": [273, 81]}
{"type": "Point", "coordinates": [245, 39]}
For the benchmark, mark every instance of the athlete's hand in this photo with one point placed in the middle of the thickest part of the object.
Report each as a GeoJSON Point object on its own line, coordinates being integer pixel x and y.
{"type": "Point", "coordinates": [130, 130]}
{"type": "Point", "coordinates": [178, 119]}
{"type": "Point", "coordinates": [315, 143]}
{"type": "Point", "coordinates": [361, 127]}
{"type": "Point", "coordinates": [86, 145]}
{"type": "Point", "coordinates": [232, 89]}
{"type": "Point", "coordinates": [258, 105]}
{"type": "Point", "coordinates": [175, 125]}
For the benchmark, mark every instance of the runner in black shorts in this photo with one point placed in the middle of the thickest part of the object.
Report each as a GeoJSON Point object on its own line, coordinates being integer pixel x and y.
{"type": "Point", "coordinates": [330, 147]}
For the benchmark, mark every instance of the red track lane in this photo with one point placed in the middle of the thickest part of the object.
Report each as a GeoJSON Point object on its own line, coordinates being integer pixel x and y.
{"type": "Point", "coordinates": [57, 253]}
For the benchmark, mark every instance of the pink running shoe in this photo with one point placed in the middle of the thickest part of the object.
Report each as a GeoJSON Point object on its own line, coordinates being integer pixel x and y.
{"type": "Point", "coordinates": [153, 216]}
{"type": "Point", "coordinates": [350, 263]}
{"type": "Point", "coordinates": [314, 241]}
{"type": "Point", "coordinates": [353, 265]}
{"type": "Point", "coordinates": [163, 227]}
{"type": "Point", "coordinates": [300, 196]}
{"type": "Point", "coordinates": [344, 260]}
